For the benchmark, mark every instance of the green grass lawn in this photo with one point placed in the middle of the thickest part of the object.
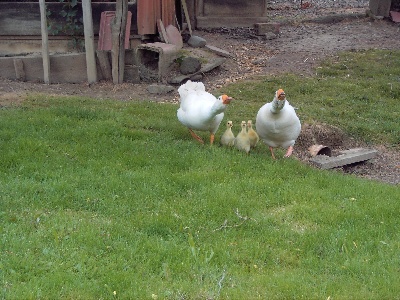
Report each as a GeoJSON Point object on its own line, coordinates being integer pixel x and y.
{"type": "Point", "coordinates": [106, 199]}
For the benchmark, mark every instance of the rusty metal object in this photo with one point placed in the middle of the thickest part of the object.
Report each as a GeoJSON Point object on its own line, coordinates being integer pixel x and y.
{"type": "Point", "coordinates": [315, 150]}
{"type": "Point", "coordinates": [149, 11]}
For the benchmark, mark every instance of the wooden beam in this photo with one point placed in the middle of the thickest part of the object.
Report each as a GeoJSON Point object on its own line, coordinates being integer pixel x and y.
{"type": "Point", "coordinates": [45, 42]}
{"type": "Point", "coordinates": [105, 65]}
{"type": "Point", "coordinates": [118, 29]}
{"type": "Point", "coordinates": [187, 17]}
{"type": "Point", "coordinates": [161, 30]}
{"type": "Point", "coordinates": [89, 41]}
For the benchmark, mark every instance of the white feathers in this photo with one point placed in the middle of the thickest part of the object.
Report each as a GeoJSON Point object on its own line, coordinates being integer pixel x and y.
{"type": "Point", "coordinates": [277, 124]}
{"type": "Point", "coordinates": [190, 87]}
{"type": "Point", "coordinates": [200, 110]}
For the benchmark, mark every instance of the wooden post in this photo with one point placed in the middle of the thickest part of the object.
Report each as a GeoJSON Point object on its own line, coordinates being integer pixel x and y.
{"type": "Point", "coordinates": [118, 29]}
{"type": "Point", "coordinates": [45, 42]}
{"type": "Point", "coordinates": [187, 17]}
{"type": "Point", "coordinates": [104, 63]}
{"type": "Point", "coordinates": [89, 41]}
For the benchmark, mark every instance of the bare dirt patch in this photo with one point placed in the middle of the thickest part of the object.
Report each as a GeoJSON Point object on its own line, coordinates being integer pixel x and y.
{"type": "Point", "coordinates": [300, 47]}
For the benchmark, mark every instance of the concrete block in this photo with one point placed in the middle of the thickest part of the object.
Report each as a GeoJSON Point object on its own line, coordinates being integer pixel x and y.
{"type": "Point", "coordinates": [380, 7]}
{"type": "Point", "coordinates": [19, 69]}
{"type": "Point", "coordinates": [206, 68]}
{"type": "Point", "coordinates": [69, 68]}
{"type": "Point", "coordinates": [64, 68]}
{"type": "Point", "coordinates": [155, 60]}
{"type": "Point", "coordinates": [212, 64]}
{"type": "Point", "coordinates": [130, 57]}
{"type": "Point", "coordinates": [345, 158]}
{"type": "Point", "coordinates": [263, 28]}
{"type": "Point", "coordinates": [131, 74]}
{"type": "Point", "coordinates": [219, 51]}
{"type": "Point", "coordinates": [7, 69]}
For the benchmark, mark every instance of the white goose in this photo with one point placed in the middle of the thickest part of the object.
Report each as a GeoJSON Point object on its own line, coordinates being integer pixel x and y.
{"type": "Point", "coordinates": [277, 124]}
{"type": "Point", "coordinates": [200, 110]}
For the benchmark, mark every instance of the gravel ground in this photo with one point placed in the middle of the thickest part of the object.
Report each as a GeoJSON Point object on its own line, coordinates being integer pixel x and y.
{"type": "Point", "coordinates": [307, 37]}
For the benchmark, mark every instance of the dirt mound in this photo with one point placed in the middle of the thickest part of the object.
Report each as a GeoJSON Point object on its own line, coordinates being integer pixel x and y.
{"type": "Point", "coordinates": [384, 167]}
{"type": "Point", "coordinates": [323, 134]}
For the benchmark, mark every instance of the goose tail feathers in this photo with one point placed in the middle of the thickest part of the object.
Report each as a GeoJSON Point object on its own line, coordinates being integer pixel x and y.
{"type": "Point", "coordinates": [190, 87]}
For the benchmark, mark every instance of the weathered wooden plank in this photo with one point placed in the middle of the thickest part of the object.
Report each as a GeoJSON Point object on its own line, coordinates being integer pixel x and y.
{"type": "Point", "coordinates": [118, 29]}
{"type": "Point", "coordinates": [345, 158]}
{"type": "Point", "coordinates": [185, 10]}
{"type": "Point", "coordinates": [89, 41]}
{"type": "Point", "coordinates": [45, 42]}
{"type": "Point", "coordinates": [162, 32]}
{"type": "Point", "coordinates": [23, 18]}
{"type": "Point", "coordinates": [20, 19]}
{"type": "Point", "coordinates": [104, 63]}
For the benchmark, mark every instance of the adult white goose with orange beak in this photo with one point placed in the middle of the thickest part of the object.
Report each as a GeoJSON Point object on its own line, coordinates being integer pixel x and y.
{"type": "Point", "coordinates": [277, 124]}
{"type": "Point", "coordinates": [200, 110]}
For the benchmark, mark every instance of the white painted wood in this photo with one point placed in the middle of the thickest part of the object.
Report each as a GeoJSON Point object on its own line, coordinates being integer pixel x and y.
{"type": "Point", "coordinates": [45, 42]}
{"type": "Point", "coordinates": [89, 41]}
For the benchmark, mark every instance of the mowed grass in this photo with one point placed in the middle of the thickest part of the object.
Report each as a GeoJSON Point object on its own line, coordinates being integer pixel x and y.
{"type": "Point", "coordinates": [105, 199]}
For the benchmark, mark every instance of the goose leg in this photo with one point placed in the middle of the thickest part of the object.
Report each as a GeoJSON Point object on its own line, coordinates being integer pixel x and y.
{"type": "Point", "coordinates": [195, 136]}
{"type": "Point", "coordinates": [212, 137]}
{"type": "Point", "coordinates": [272, 152]}
{"type": "Point", "coordinates": [289, 151]}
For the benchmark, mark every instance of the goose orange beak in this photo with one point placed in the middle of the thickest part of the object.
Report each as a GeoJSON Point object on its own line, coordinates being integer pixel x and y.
{"type": "Point", "coordinates": [226, 99]}
{"type": "Point", "coordinates": [281, 94]}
